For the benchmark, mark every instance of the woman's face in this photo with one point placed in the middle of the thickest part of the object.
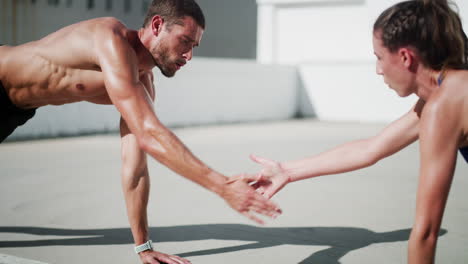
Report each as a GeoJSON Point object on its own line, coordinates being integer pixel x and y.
{"type": "Point", "coordinates": [394, 67]}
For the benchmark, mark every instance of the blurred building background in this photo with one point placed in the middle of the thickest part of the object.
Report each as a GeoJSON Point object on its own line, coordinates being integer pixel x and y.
{"type": "Point", "coordinates": [259, 60]}
{"type": "Point", "coordinates": [231, 25]}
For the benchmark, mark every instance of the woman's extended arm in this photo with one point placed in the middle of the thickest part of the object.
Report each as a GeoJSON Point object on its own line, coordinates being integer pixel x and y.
{"type": "Point", "coordinates": [347, 157]}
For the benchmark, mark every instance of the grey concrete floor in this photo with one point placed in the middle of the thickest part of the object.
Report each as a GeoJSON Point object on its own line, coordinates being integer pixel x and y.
{"type": "Point", "coordinates": [61, 202]}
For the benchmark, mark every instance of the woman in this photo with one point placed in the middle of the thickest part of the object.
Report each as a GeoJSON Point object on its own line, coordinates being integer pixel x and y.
{"type": "Point", "coordinates": [421, 49]}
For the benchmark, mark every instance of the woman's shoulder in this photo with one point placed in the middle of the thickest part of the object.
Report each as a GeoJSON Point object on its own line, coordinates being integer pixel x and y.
{"type": "Point", "coordinates": [450, 100]}
{"type": "Point", "coordinates": [453, 89]}
{"type": "Point", "coordinates": [456, 78]}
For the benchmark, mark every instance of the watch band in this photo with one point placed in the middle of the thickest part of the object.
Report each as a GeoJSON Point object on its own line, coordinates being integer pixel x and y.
{"type": "Point", "coordinates": [143, 247]}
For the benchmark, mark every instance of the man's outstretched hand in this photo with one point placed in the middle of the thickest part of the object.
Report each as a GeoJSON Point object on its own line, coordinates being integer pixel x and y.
{"type": "Point", "coordinates": [243, 198]}
{"type": "Point", "coordinates": [154, 257]}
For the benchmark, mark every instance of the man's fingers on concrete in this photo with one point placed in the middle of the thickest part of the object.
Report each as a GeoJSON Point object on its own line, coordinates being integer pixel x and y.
{"type": "Point", "coordinates": [179, 260]}
{"type": "Point", "coordinates": [154, 261]}
{"type": "Point", "coordinates": [169, 260]}
{"type": "Point", "coordinates": [182, 260]}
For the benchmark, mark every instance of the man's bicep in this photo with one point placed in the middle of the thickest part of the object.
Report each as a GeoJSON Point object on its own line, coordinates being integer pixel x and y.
{"type": "Point", "coordinates": [120, 70]}
{"type": "Point", "coordinates": [118, 63]}
{"type": "Point", "coordinates": [136, 108]}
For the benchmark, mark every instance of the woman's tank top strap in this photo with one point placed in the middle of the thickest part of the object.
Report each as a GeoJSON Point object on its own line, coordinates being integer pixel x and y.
{"type": "Point", "coordinates": [439, 79]}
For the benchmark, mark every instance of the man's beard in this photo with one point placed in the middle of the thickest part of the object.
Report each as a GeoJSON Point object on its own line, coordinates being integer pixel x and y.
{"type": "Point", "coordinates": [163, 62]}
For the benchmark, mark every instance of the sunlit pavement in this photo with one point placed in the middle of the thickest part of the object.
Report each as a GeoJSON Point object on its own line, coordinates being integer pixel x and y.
{"type": "Point", "coordinates": [61, 202]}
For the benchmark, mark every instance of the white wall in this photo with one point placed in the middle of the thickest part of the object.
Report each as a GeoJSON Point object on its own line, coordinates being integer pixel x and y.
{"type": "Point", "coordinates": [214, 91]}
{"type": "Point", "coordinates": [352, 93]}
{"type": "Point", "coordinates": [331, 43]}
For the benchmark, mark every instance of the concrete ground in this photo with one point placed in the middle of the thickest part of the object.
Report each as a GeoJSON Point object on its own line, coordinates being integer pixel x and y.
{"type": "Point", "coordinates": [61, 202]}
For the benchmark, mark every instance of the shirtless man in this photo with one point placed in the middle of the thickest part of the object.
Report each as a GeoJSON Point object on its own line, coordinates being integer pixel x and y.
{"type": "Point", "coordinates": [103, 62]}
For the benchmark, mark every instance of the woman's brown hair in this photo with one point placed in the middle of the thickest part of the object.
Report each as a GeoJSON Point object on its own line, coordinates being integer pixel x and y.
{"type": "Point", "coordinates": [432, 27]}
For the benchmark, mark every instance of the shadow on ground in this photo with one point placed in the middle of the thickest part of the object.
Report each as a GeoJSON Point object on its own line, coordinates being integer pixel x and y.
{"type": "Point", "coordinates": [340, 240]}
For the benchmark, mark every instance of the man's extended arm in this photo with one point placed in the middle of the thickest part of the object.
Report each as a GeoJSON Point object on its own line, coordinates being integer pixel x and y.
{"type": "Point", "coordinates": [119, 65]}
{"type": "Point", "coordinates": [135, 177]}
{"type": "Point", "coordinates": [136, 187]}
{"type": "Point", "coordinates": [135, 184]}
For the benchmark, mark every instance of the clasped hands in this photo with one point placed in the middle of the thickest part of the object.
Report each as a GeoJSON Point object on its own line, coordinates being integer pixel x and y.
{"type": "Point", "coordinates": [251, 192]}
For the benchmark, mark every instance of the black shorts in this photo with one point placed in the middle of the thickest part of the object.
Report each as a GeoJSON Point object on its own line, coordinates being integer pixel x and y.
{"type": "Point", "coordinates": [464, 152]}
{"type": "Point", "coordinates": [11, 116]}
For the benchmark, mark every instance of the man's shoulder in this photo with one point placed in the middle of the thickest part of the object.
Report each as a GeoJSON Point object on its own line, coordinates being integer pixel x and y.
{"type": "Point", "coordinates": [106, 23]}
{"type": "Point", "coordinates": [109, 20]}
{"type": "Point", "coordinates": [108, 28]}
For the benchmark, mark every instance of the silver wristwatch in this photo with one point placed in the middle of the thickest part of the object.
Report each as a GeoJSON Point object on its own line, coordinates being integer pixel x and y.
{"type": "Point", "coordinates": [143, 247]}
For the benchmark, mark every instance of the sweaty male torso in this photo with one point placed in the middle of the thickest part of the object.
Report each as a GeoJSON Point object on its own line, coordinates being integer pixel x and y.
{"type": "Point", "coordinates": [66, 67]}
{"type": "Point", "coordinates": [58, 69]}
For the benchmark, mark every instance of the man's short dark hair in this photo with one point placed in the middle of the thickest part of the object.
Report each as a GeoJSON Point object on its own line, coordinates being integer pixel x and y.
{"type": "Point", "coordinates": [174, 10]}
